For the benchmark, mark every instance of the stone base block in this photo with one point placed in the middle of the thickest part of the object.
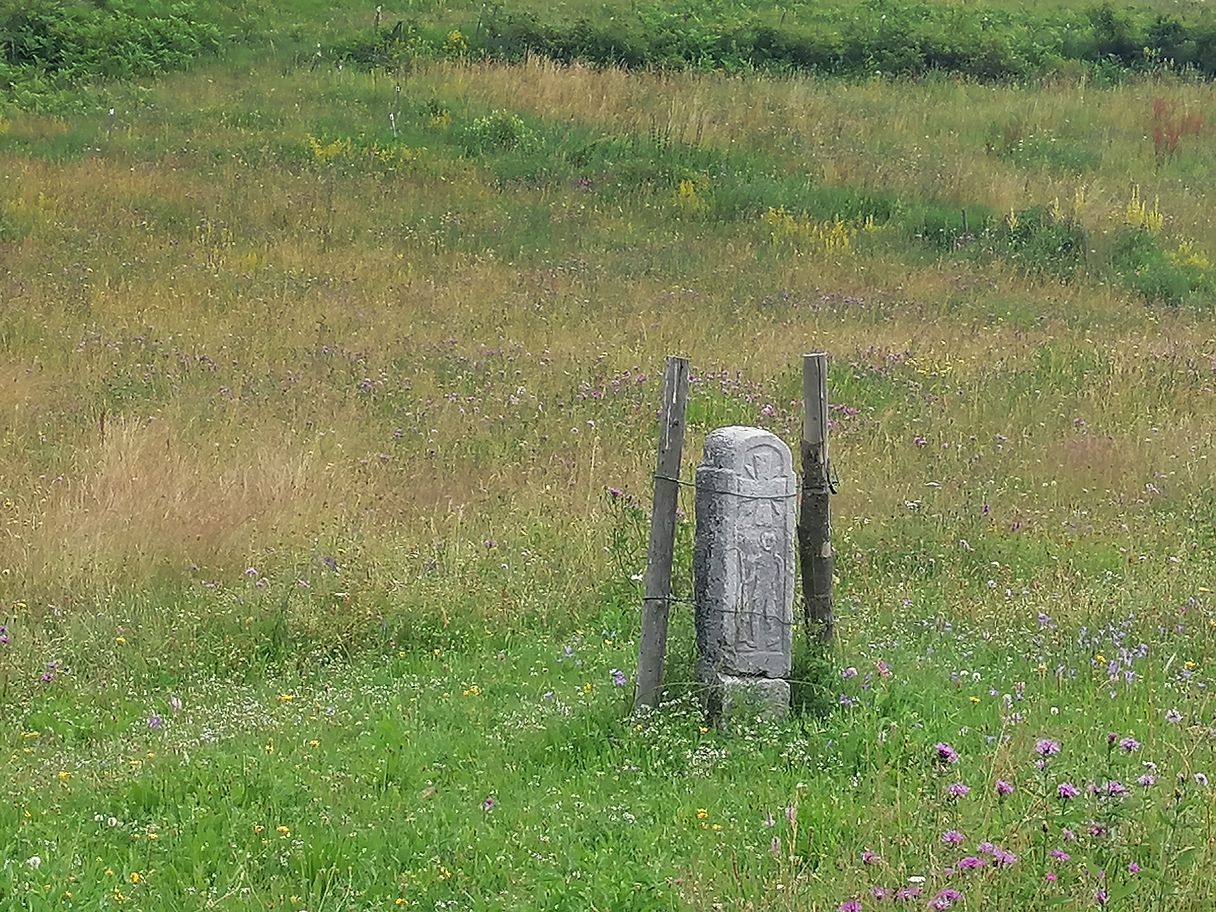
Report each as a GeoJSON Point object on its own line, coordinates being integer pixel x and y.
{"type": "Point", "coordinates": [730, 696]}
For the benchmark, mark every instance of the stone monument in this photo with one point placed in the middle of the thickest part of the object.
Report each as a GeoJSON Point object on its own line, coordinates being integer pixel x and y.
{"type": "Point", "coordinates": [743, 569]}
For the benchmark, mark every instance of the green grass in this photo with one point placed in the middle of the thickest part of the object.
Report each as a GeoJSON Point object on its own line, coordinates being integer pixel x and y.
{"type": "Point", "coordinates": [326, 443]}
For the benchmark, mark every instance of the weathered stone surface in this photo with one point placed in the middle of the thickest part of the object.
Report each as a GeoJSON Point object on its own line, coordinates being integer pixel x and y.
{"type": "Point", "coordinates": [743, 562]}
{"type": "Point", "coordinates": [730, 697]}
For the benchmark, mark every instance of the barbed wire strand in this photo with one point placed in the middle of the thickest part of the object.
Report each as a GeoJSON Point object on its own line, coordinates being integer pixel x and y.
{"type": "Point", "coordinates": [832, 483]}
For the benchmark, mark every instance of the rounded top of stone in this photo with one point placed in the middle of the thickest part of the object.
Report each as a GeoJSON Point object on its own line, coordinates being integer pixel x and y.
{"type": "Point", "coordinates": [753, 452]}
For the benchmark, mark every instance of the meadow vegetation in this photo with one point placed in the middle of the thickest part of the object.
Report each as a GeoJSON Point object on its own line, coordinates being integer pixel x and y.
{"type": "Point", "coordinates": [329, 362]}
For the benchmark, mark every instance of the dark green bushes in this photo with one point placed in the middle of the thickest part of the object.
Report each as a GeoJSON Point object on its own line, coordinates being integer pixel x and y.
{"type": "Point", "coordinates": [1160, 275]}
{"type": "Point", "coordinates": [876, 37]}
{"type": "Point", "coordinates": [52, 44]}
{"type": "Point", "coordinates": [1041, 243]}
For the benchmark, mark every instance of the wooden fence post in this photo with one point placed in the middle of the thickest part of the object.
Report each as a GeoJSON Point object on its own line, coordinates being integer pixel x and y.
{"type": "Point", "coordinates": [814, 521]}
{"type": "Point", "coordinates": [652, 652]}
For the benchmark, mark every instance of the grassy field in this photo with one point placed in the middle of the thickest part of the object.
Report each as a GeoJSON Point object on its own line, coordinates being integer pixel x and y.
{"type": "Point", "coordinates": [327, 406]}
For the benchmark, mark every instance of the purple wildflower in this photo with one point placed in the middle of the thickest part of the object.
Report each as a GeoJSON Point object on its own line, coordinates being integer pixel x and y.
{"type": "Point", "coordinates": [879, 893]}
{"type": "Point", "coordinates": [1101, 896]}
{"type": "Point", "coordinates": [618, 678]}
{"type": "Point", "coordinates": [971, 863]}
{"type": "Point", "coordinates": [957, 790]}
{"type": "Point", "coordinates": [1133, 868]}
{"type": "Point", "coordinates": [945, 753]}
{"type": "Point", "coordinates": [1003, 857]}
{"type": "Point", "coordinates": [155, 722]}
{"type": "Point", "coordinates": [906, 894]}
{"type": "Point", "coordinates": [953, 837]}
{"type": "Point", "coordinates": [1059, 855]}
{"type": "Point", "coordinates": [849, 672]}
{"type": "Point", "coordinates": [1111, 738]}
{"type": "Point", "coordinates": [1129, 744]}
{"type": "Point", "coordinates": [1046, 747]}
{"type": "Point", "coordinates": [1067, 791]}
{"type": "Point", "coordinates": [1003, 788]}
{"type": "Point", "coordinates": [986, 847]}
{"type": "Point", "coordinates": [870, 858]}
{"type": "Point", "coordinates": [945, 899]}
{"type": "Point", "coordinates": [1147, 780]}
{"type": "Point", "coordinates": [4, 640]}
{"type": "Point", "coordinates": [1117, 790]}
{"type": "Point", "coordinates": [849, 905]}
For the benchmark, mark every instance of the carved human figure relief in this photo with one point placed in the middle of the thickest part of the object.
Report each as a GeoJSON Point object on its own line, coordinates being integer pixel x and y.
{"type": "Point", "coordinates": [744, 559]}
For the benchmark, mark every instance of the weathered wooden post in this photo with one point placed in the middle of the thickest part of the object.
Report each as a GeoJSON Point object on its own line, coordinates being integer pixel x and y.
{"type": "Point", "coordinates": [652, 651]}
{"type": "Point", "coordinates": [814, 521]}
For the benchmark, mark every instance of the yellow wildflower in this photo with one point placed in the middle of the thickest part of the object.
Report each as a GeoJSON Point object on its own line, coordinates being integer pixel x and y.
{"type": "Point", "coordinates": [702, 813]}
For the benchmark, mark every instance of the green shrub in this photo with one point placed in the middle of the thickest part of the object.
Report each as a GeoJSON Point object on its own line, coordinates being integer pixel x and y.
{"type": "Point", "coordinates": [52, 44]}
{"type": "Point", "coordinates": [387, 48]}
{"type": "Point", "coordinates": [1158, 275]}
{"type": "Point", "coordinates": [1041, 243]}
{"type": "Point", "coordinates": [498, 131]}
{"type": "Point", "coordinates": [874, 37]}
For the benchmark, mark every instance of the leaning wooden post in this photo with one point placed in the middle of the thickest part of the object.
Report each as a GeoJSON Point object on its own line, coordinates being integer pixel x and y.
{"type": "Point", "coordinates": [652, 652]}
{"type": "Point", "coordinates": [814, 521]}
